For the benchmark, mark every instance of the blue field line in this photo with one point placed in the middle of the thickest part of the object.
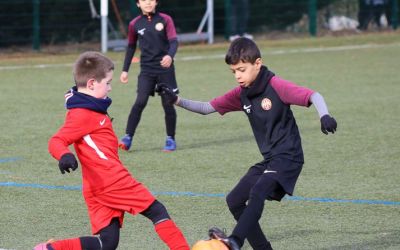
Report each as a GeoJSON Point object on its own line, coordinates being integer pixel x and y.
{"type": "Point", "coordinates": [220, 195]}
{"type": "Point", "coordinates": [9, 159]}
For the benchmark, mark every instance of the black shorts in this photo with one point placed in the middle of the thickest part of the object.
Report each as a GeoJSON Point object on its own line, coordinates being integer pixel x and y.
{"type": "Point", "coordinates": [284, 171]}
{"type": "Point", "coordinates": [147, 82]}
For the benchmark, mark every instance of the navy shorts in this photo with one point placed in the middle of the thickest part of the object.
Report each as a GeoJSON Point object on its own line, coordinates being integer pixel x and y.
{"type": "Point", "coordinates": [147, 82]}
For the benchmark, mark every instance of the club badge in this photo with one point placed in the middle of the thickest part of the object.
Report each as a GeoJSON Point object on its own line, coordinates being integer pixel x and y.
{"type": "Point", "coordinates": [159, 26]}
{"type": "Point", "coordinates": [266, 104]}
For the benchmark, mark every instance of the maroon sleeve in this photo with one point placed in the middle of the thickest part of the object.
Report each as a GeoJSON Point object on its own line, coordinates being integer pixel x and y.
{"type": "Point", "coordinates": [290, 93]}
{"type": "Point", "coordinates": [228, 102]}
{"type": "Point", "coordinates": [170, 26]}
{"type": "Point", "coordinates": [132, 36]}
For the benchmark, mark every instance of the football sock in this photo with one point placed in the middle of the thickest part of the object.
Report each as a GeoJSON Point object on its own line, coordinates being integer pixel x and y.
{"type": "Point", "coordinates": [68, 244]}
{"type": "Point", "coordinates": [171, 235]}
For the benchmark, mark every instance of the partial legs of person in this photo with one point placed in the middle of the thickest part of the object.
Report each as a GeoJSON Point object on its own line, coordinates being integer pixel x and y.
{"type": "Point", "coordinates": [145, 88]}
{"type": "Point", "coordinates": [165, 226]}
{"type": "Point", "coordinates": [169, 110]}
{"type": "Point", "coordinates": [239, 20]}
{"type": "Point", "coordinates": [236, 201]}
{"type": "Point", "coordinates": [107, 239]}
{"type": "Point", "coordinates": [170, 124]}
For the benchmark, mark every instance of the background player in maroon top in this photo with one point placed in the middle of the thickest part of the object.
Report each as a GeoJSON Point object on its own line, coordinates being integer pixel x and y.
{"type": "Point", "coordinates": [108, 188]}
{"type": "Point", "coordinates": [266, 99]}
{"type": "Point", "coordinates": [155, 32]}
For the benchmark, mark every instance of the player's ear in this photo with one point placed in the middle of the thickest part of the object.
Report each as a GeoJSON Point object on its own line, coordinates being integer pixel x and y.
{"type": "Point", "coordinates": [258, 63]}
{"type": "Point", "coordinates": [90, 83]}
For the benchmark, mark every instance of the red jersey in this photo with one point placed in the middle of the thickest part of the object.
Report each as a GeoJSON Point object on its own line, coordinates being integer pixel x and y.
{"type": "Point", "coordinates": [108, 188]}
{"type": "Point", "coordinates": [96, 146]}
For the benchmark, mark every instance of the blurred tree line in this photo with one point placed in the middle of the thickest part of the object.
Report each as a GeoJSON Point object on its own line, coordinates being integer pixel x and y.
{"type": "Point", "coordinates": [71, 21]}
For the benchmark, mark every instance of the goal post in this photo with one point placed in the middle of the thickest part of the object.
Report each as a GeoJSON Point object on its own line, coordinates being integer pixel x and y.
{"type": "Point", "coordinates": [104, 20]}
{"type": "Point", "coordinates": [198, 35]}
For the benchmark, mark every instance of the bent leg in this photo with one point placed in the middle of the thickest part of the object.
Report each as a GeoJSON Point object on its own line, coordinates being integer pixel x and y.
{"type": "Point", "coordinates": [237, 199]}
{"type": "Point", "coordinates": [248, 221]}
{"type": "Point", "coordinates": [107, 240]}
{"type": "Point", "coordinates": [165, 227]}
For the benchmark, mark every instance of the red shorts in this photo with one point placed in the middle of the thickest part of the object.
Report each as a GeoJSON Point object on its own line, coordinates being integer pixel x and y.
{"type": "Point", "coordinates": [103, 206]}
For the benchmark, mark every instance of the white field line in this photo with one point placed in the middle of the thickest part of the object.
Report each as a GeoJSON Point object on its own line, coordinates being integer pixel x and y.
{"type": "Point", "coordinates": [218, 56]}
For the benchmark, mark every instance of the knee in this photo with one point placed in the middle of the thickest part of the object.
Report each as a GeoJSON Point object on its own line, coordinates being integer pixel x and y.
{"type": "Point", "coordinates": [109, 237]}
{"type": "Point", "coordinates": [233, 201]}
{"type": "Point", "coordinates": [156, 212]}
{"type": "Point", "coordinates": [109, 243]}
{"type": "Point", "coordinates": [141, 101]}
{"type": "Point", "coordinates": [169, 109]}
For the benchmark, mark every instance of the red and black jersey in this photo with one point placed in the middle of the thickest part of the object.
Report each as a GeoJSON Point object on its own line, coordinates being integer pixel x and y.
{"type": "Point", "coordinates": [157, 37]}
{"type": "Point", "coordinates": [267, 105]}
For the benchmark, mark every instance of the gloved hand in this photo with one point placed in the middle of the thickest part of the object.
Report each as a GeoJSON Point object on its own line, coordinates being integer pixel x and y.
{"type": "Point", "coordinates": [67, 161]}
{"type": "Point", "coordinates": [328, 124]}
{"type": "Point", "coordinates": [168, 95]}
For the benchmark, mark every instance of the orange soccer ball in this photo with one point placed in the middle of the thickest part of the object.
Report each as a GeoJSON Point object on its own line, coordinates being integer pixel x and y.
{"type": "Point", "coordinates": [211, 244]}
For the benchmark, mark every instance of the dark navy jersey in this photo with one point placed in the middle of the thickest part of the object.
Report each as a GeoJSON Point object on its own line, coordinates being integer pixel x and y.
{"type": "Point", "coordinates": [156, 36]}
{"type": "Point", "coordinates": [267, 105]}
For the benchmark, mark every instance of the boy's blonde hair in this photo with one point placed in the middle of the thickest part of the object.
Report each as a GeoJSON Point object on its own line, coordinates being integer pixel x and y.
{"type": "Point", "coordinates": [91, 64]}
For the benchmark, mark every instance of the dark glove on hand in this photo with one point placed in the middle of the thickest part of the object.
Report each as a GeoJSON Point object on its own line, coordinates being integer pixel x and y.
{"type": "Point", "coordinates": [166, 93]}
{"type": "Point", "coordinates": [328, 124]}
{"type": "Point", "coordinates": [67, 161]}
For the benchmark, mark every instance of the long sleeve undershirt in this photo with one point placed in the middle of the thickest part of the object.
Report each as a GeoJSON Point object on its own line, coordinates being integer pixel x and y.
{"type": "Point", "coordinates": [203, 108]}
{"type": "Point", "coordinates": [319, 104]}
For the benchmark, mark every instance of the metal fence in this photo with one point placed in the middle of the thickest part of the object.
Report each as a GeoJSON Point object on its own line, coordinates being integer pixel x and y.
{"type": "Point", "coordinates": [38, 22]}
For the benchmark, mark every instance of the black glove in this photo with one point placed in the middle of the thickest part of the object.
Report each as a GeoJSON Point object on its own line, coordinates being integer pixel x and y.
{"type": "Point", "coordinates": [166, 93]}
{"type": "Point", "coordinates": [328, 124]}
{"type": "Point", "coordinates": [67, 161]}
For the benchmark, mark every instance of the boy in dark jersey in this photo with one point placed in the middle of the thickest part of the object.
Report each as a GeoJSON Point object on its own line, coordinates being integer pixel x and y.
{"type": "Point", "coordinates": [265, 98]}
{"type": "Point", "coordinates": [108, 188]}
{"type": "Point", "coordinates": [158, 44]}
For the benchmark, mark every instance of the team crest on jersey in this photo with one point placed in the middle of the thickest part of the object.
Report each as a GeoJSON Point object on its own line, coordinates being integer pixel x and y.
{"type": "Point", "coordinates": [266, 104]}
{"type": "Point", "coordinates": [159, 26]}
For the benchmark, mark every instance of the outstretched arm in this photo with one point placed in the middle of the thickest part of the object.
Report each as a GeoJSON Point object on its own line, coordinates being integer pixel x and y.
{"type": "Point", "coordinates": [203, 108]}
{"type": "Point", "coordinates": [170, 97]}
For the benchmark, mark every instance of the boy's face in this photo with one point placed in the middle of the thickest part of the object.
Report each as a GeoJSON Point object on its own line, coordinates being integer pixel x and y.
{"type": "Point", "coordinates": [100, 89]}
{"type": "Point", "coordinates": [245, 72]}
{"type": "Point", "coordinates": [147, 6]}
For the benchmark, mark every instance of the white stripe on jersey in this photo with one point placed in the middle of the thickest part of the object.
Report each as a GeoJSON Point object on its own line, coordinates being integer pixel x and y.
{"type": "Point", "coordinates": [93, 145]}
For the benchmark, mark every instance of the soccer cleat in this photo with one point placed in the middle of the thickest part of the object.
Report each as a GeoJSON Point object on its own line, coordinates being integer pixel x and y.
{"type": "Point", "coordinates": [125, 142]}
{"type": "Point", "coordinates": [44, 246]}
{"type": "Point", "coordinates": [170, 144]}
{"type": "Point", "coordinates": [218, 234]}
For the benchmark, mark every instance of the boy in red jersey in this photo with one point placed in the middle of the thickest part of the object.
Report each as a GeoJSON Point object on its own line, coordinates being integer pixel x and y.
{"type": "Point", "coordinates": [108, 188]}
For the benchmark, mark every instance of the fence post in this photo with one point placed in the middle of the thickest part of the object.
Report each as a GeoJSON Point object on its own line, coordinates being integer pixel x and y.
{"type": "Point", "coordinates": [36, 25]}
{"type": "Point", "coordinates": [312, 17]}
{"type": "Point", "coordinates": [104, 20]}
{"type": "Point", "coordinates": [395, 14]}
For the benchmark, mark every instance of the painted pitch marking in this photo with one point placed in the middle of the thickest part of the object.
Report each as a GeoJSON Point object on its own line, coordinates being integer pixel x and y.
{"type": "Point", "coordinates": [217, 195]}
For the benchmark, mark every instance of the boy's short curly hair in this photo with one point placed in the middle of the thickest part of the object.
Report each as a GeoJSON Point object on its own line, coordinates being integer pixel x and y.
{"type": "Point", "coordinates": [242, 50]}
{"type": "Point", "coordinates": [91, 64]}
